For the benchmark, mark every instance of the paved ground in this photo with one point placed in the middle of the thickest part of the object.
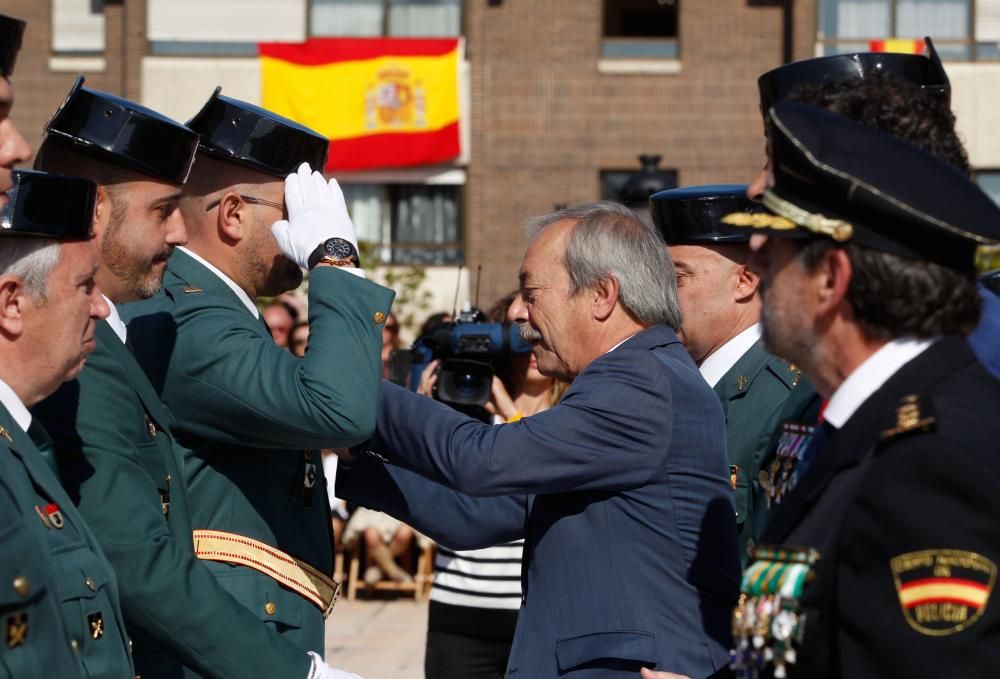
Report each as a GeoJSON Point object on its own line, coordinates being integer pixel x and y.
{"type": "Point", "coordinates": [378, 638]}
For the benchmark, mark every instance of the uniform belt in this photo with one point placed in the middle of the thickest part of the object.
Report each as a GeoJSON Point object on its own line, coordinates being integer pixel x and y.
{"type": "Point", "coordinates": [296, 575]}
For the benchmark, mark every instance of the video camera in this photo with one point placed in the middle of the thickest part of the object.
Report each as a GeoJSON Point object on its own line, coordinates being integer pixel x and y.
{"type": "Point", "coordinates": [468, 349]}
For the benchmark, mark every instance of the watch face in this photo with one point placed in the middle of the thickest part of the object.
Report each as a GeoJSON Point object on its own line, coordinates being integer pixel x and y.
{"type": "Point", "coordinates": [338, 248]}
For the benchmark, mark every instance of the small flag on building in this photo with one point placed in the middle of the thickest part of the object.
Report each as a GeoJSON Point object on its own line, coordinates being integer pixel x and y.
{"type": "Point", "coordinates": [897, 45]}
{"type": "Point", "coordinates": [383, 102]}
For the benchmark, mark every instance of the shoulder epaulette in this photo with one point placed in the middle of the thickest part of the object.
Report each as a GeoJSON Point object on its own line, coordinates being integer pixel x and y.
{"type": "Point", "coordinates": [912, 414]}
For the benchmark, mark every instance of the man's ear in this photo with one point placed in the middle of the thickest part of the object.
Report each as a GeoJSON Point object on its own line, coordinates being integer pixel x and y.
{"type": "Point", "coordinates": [834, 271]}
{"type": "Point", "coordinates": [234, 220]}
{"type": "Point", "coordinates": [12, 306]}
{"type": "Point", "coordinates": [102, 211]}
{"type": "Point", "coordinates": [747, 283]}
{"type": "Point", "coordinates": [605, 297]}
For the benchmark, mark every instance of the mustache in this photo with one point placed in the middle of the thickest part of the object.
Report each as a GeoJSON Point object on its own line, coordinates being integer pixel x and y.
{"type": "Point", "coordinates": [528, 334]}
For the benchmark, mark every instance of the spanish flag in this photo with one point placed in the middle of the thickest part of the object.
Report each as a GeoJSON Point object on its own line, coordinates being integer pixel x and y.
{"type": "Point", "coordinates": [897, 45]}
{"type": "Point", "coordinates": [383, 102]}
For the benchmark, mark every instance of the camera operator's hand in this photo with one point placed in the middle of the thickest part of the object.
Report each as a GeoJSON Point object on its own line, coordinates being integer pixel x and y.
{"type": "Point", "coordinates": [316, 211]}
{"type": "Point", "coordinates": [429, 378]}
{"type": "Point", "coordinates": [501, 403]}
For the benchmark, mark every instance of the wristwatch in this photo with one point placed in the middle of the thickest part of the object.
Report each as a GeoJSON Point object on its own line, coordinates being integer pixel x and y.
{"type": "Point", "coordinates": [335, 251]}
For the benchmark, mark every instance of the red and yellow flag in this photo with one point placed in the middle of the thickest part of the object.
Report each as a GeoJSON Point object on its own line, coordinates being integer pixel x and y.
{"type": "Point", "coordinates": [383, 102]}
{"type": "Point", "coordinates": [899, 45]}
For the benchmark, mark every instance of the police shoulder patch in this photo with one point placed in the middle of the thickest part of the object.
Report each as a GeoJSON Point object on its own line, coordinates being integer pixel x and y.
{"type": "Point", "coordinates": [912, 414]}
{"type": "Point", "coordinates": [943, 591]}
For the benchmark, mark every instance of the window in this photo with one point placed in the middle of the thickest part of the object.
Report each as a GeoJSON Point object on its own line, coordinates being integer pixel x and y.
{"type": "Point", "coordinates": [408, 223]}
{"type": "Point", "coordinates": [640, 29]}
{"type": "Point", "coordinates": [402, 18]}
{"type": "Point", "coordinates": [78, 27]}
{"type": "Point", "coordinates": [613, 181]}
{"type": "Point", "coordinates": [223, 27]}
{"type": "Point", "coordinates": [962, 30]}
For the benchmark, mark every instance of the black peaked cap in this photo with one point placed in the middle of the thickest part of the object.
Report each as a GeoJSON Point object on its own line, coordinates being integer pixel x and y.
{"type": "Point", "coordinates": [925, 72]}
{"type": "Point", "coordinates": [46, 205]}
{"type": "Point", "coordinates": [839, 179]}
{"type": "Point", "coordinates": [693, 215]}
{"type": "Point", "coordinates": [257, 138]}
{"type": "Point", "coordinates": [11, 32]}
{"type": "Point", "coordinates": [125, 133]}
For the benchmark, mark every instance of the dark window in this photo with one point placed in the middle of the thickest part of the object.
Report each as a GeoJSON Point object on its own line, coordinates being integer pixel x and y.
{"type": "Point", "coordinates": [640, 29]}
{"type": "Point", "coordinates": [612, 181]}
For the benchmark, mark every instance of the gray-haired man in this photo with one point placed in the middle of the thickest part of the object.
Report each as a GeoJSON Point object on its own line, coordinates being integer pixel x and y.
{"type": "Point", "coordinates": [620, 491]}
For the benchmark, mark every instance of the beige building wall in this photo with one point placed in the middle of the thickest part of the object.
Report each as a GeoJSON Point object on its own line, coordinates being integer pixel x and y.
{"type": "Point", "coordinates": [975, 99]}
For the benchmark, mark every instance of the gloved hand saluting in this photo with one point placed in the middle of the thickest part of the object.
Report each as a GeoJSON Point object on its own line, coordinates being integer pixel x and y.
{"type": "Point", "coordinates": [316, 211]}
{"type": "Point", "coordinates": [320, 670]}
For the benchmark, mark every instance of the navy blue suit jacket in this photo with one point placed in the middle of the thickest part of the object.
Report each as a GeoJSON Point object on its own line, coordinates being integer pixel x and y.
{"type": "Point", "coordinates": [621, 492]}
{"type": "Point", "coordinates": [985, 339]}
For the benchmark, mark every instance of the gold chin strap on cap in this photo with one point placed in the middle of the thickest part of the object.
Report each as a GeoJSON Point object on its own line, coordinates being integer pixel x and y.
{"type": "Point", "coordinates": [790, 216]}
{"type": "Point", "coordinates": [298, 576]}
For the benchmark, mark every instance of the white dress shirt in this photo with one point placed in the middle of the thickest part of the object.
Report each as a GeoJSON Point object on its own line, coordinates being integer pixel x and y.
{"type": "Point", "coordinates": [724, 358]}
{"type": "Point", "coordinates": [868, 377]}
{"type": "Point", "coordinates": [14, 406]}
{"type": "Point", "coordinates": [240, 292]}
{"type": "Point", "coordinates": [115, 320]}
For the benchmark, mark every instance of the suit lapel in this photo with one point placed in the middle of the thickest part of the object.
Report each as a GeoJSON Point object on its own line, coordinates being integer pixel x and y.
{"type": "Point", "coordinates": [41, 475]}
{"type": "Point", "coordinates": [137, 378]}
{"type": "Point", "coordinates": [854, 440]}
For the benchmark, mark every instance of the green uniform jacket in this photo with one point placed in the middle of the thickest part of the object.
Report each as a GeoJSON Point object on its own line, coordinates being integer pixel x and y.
{"type": "Point", "coordinates": [66, 606]}
{"type": "Point", "coordinates": [120, 464]}
{"type": "Point", "coordinates": [248, 410]}
{"type": "Point", "coordinates": [752, 394]}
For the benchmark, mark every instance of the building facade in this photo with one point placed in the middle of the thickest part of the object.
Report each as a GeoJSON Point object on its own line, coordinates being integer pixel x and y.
{"type": "Point", "coordinates": [558, 97]}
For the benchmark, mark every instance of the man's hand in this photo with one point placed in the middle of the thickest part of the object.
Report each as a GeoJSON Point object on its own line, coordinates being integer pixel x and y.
{"type": "Point", "coordinates": [316, 211]}
{"type": "Point", "coordinates": [320, 670]}
{"type": "Point", "coordinates": [651, 674]}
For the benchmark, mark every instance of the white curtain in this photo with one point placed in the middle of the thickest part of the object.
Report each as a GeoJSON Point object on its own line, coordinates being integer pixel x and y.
{"type": "Point", "coordinates": [346, 17]}
{"type": "Point", "coordinates": [425, 18]}
{"type": "Point", "coordinates": [364, 204]}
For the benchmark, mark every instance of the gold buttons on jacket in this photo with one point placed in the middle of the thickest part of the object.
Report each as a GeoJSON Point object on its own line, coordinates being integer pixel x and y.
{"type": "Point", "coordinates": [378, 317]}
{"type": "Point", "coordinates": [75, 645]}
{"type": "Point", "coordinates": [91, 585]}
{"type": "Point", "coordinates": [22, 586]}
{"type": "Point", "coordinates": [270, 608]}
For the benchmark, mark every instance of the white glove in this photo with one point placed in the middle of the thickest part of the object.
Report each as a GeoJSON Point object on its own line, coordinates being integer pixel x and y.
{"type": "Point", "coordinates": [320, 670]}
{"type": "Point", "coordinates": [316, 211]}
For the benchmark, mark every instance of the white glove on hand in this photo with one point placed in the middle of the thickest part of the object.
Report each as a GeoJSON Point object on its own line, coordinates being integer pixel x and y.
{"type": "Point", "coordinates": [316, 211]}
{"type": "Point", "coordinates": [320, 670]}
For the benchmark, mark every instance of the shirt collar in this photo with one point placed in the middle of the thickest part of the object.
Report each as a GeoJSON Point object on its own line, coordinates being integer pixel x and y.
{"type": "Point", "coordinates": [14, 406]}
{"type": "Point", "coordinates": [240, 292]}
{"type": "Point", "coordinates": [868, 377]}
{"type": "Point", "coordinates": [620, 343]}
{"type": "Point", "coordinates": [724, 358]}
{"type": "Point", "coordinates": [114, 319]}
